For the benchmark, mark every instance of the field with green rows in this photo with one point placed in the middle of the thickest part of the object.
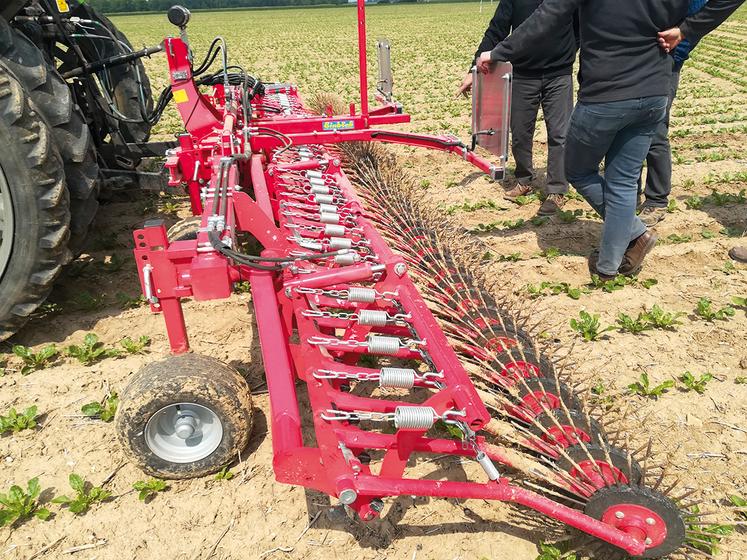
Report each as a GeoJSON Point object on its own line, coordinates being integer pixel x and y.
{"type": "Point", "coordinates": [683, 381]}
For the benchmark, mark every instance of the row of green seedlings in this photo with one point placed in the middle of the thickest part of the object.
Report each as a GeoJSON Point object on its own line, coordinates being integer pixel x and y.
{"type": "Point", "coordinates": [708, 543]}
{"type": "Point", "coordinates": [19, 504]}
{"type": "Point", "coordinates": [588, 326]}
{"type": "Point", "coordinates": [573, 292]}
{"type": "Point", "coordinates": [90, 352]}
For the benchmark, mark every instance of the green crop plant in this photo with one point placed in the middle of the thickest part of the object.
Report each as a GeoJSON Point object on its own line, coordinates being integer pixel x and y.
{"type": "Point", "coordinates": [20, 505]}
{"type": "Point", "coordinates": [135, 346]}
{"type": "Point", "coordinates": [224, 474]}
{"type": "Point", "coordinates": [694, 202]}
{"type": "Point", "coordinates": [569, 216]}
{"type": "Point", "coordinates": [664, 320]}
{"type": "Point", "coordinates": [740, 503]}
{"type": "Point", "coordinates": [553, 552]}
{"type": "Point", "coordinates": [85, 301]}
{"type": "Point", "coordinates": [127, 302]}
{"type": "Point", "coordinates": [86, 494]}
{"type": "Point", "coordinates": [34, 361]}
{"type": "Point", "coordinates": [709, 537]}
{"type": "Point", "coordinates": [705, 310]}
{"type": "Point", "coordinates": [644, 388]}
{"type": "Point", "coordinates": [526, 199]}
{"type": "Point", "coordinates": [588, 326]}
{"type": "Point", "coordinates": [91, 351]}
{"type": "Point", "coordinates": [551, 253]}
{"type": "Point", "coordinates": [148, 489]}
{"type": "Point", "coordinates": [697, 384]}
{"type": "Point", "coordinates": [15, 421]}
{"type": "Point", "coordinates": [104, 410]}
{"type": "Point", "coordinates": [672, 206]}
{"type": "Point", "coordinates": [634, 326]}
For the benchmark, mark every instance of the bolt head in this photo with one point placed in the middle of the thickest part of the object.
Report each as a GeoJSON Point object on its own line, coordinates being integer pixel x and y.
{"type": "Point", "coordinates": [650, 521]}
{"type": "Point", "coordinates": [348, 496]}
{"type": "Point", "coordinates": [185, 427]}
{"type": "Point", "coordinates": [648, 541]}
{"type": "Point", "coordinates": [619, 514]}
{"type": "Point", "coordinates": [400, 269]}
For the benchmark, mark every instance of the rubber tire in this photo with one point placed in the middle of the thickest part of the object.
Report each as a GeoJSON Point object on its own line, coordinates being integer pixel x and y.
{"type": "Point", "coordinates": [52, 98]}
{"type": "Point", "coordinates": [187, 378]}
{"type": "Point", "coordinates": [124, 78]}
{"type": "Point", "coordinates": [33, 166]}
{"type": "Point", "coordinates": [185, 229]}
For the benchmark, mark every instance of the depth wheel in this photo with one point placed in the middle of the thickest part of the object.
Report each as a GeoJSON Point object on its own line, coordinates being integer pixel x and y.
{"type": "Point", "coordinates": [184, 417]}
{"type": "Point", "coordinates": [644, 514]}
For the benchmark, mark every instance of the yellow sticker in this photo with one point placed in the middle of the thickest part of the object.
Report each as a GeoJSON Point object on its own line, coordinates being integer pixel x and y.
{"type": "Point", "coordinates": [181, 96]}
{"type": "Point", "coordinates": [63, 6]}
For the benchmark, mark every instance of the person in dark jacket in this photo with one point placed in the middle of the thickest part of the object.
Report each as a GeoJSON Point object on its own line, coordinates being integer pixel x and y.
{"type": "Point", "coordinates": [693, 29]}
{"type": "Point", "coordinates": [541, 77]}
{"type": "Point", "coordinates": [659, 159]}
{"type": "Point", "coordinates": [624, 90]}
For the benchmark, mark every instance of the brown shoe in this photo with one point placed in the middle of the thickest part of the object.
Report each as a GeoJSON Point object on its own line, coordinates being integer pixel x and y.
{"type": "Point", "coordinates": [517, 191]}
{"type": "Point", "coordinates": [552, 204]}
{"type": "Point", "coordinates": [739, 254]}
{"type": "Point", "coordinates": [636, 253]}
{"type": "Point", "coordinates": [592, 261]}
{"type": "Point", "coordinates": [652, 215]}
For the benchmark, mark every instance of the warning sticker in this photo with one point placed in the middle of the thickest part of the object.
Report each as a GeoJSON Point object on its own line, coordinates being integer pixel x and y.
{"type": "Point", "coordinates": [181, 96]}
{"type": "Point", "coordinates": [63, 6]}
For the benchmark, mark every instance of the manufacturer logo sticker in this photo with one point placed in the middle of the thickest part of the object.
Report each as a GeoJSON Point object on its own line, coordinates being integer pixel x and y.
{"type": "Point", "coordinates": [338, 125]}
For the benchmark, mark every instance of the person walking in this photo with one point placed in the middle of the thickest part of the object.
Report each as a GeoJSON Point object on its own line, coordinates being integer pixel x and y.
{"type": "Point", "coordinates": [624, 89]}
{"type": "Point", "coordinates": [692, 30]}
{"type": "Point", "coordinates": [542, 77]}
{"type": "Point", "coordinates": [659, 159]}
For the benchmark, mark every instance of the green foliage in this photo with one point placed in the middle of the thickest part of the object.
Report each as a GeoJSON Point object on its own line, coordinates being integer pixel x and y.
{"type": "Point", "coordinates": [474, 206]}
{"type": "Point", "coordinates": [85, 301]}
{"type": "Point", "coordinates": [588, 326]}
{"type": "Point", "coordinates": [569, 216]}
{"type": "Point", "coordinates": [739, 502]}
{"type": "Point", "coordinates": [672, 206]}
{"type": "Point", "coordinates": [644, 388]}
{"type": "Point", "coordinates": [91, 351]}
{"type": "Point", "coordinates": [526, 199]}
{"type": "Point", "coordinates": [648, 283]}
{"type": "Point", "coordinates": [609, 286]}
{"type": "Point", "coordinates": [19, 505]}
{"type": "Point", "coordinates": [85, 495]}
{"type": "Point", "coordinates": [708, 536]}
{"type": "Point", "coordinates": [553, 552]}
{"type": "Point", "coordinates": [242, 287]}
{"type": "Point", "coordinates": [126, 302]}
{"type": "Point", "coordinates": [677, 239]}
{"type": "Point", "coordinates": [551, 253]}
{"type": "Point", "coordinates": [148, 489]}
{"type": "Point", "coordinates": [15, 422]}
{"type": "Point", "coordinates": [741, 380]}
{"type": "Point", "coordinates": [705, 310]}
{"type": "Point", "coordinates": [33, 361]}
{"type": "Point", "coordinates": [104, 410]}
{"type": "Point", "coordinates": [555, 288]}
{"type": "Point", "coordinates": [539, 220]}
{"type": "Point", "coordinates": [135, 346]}
{"type": "Point", "coordinates": [634, 326]}
{"type": "Point", "coordinates": [694, 202]}
{"type": "Point", "coordinates": [729, 268]}
{"type": "Point", "coordinates": [739, 301]}
{"type": "Point", "coordinates": [514, 224]}
{"type": "Point", "coordinates": [224, 474]}
{"type": "Point", "coordinates": [707, 234]}
{"type": "Point", "coordinates": [693, 383]}
{"type": "Point", "coordinates": [660, 319]}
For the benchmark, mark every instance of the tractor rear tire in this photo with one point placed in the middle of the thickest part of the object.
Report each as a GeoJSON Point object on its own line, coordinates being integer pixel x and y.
{"type": "Point", "coordinates": [185, 392]}
{"type": "Point", "coordinates": [53, 100]}
{"type": "Point", "coordinates": [34, 207]}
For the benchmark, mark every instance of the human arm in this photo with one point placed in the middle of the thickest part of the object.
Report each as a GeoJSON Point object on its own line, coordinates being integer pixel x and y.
{"type": "Point", "coordinates": [697, 26]}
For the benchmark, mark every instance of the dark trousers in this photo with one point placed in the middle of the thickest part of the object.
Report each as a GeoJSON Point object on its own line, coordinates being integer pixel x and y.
{"type": "Point", "coordinates": [556, 97]}
{"type": "Point", "coordinates": [659, 158]}
{"type": "Point", "coordinates": [618, 133]}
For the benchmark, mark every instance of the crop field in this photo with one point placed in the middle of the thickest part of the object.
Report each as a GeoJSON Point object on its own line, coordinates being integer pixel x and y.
{"type": "Point", "coordinates": [675, 352]}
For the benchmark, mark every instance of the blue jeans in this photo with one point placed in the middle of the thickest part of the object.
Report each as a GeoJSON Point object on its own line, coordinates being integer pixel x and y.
{"type": "Point", "coordinates": [619, 132]}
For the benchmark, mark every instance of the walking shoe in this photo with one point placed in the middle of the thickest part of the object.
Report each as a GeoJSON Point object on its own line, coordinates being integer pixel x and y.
{"type": "Point", "coordinates": [552, 204]}
{"type": "Point", "coordinates": [637, 250]}
{"type": "Point", "coordinates": [592, 261]}
{"type": "Point", "coordinates": [652, 215]}
{"type": "Point", "coordinates": [517, 191]}
{"type": "Point", "coordinates": [739, 254]}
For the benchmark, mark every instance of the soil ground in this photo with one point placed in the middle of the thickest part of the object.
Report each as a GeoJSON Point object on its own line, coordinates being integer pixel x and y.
{"type": "Point", "coordinates": [252, 516]}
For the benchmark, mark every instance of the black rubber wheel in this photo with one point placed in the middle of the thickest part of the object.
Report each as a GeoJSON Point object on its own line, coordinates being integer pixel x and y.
{"type": "Point", "coordinates": [53, 100]}
{"type": "Point", "coordinates": [34, 207]}
{"type": "Point", "coordinates": [664, 509]}
{"type": "Point", "coordinates": [122, 78]}
{"type": "Point", "coordinates": [162, 394]}
{"type": "Point", "coordinates": [185, 229]}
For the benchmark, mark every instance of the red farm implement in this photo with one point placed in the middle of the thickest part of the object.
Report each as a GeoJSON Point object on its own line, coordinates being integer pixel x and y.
{"type": "Point", "coordinates": [364, 310]}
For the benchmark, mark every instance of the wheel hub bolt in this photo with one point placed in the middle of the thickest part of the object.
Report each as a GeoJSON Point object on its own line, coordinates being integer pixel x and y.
{"type": "Point", "coordinates": [650, 521]}
{"type": "Point", "coordinates": [619, 514]}
{"type": "Point", "coordinates": [185, 427]}
{"type": "Point", "coordinates": [648, 541]}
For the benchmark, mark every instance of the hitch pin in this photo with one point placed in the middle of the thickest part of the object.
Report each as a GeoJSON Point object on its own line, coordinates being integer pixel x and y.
{"type": "Point", "coordinates": [148, 284]}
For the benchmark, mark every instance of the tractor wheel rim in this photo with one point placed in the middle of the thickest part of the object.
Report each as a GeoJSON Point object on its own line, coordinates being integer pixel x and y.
{"type": "Point", "coordinates": [7, 223]}
{"type": "Point", "coordinates": [183, 432]}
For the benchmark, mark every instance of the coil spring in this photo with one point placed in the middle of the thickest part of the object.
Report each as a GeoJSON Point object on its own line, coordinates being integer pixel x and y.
{"type": "Point", "coordinates": [329, 218]}
{"type": "Point", "coordinates": [372, 317]}
{"type": "Point", "coordinates": [320, 189]}
{"type": "Point", "coordinates": [347, 259]}
{"type": "Point", "coordinates": [311, 174]}
{"type": "Point", "coordinates": [399, 378]}
{"type": "Point", "coordinates": [362, 295]}
{"type": "Point", "coordinates": [340, 242]}
{"type": "Point", "coordinates": [386, 345]}
{"type": "Point", "coordinates": [414, 417]}
{"type": "Point", "coordinates": [324, 198]}
{"type": "Point", "coordinates": [334, 230]}
{"type": "Point", "coordinates": [328, 209]}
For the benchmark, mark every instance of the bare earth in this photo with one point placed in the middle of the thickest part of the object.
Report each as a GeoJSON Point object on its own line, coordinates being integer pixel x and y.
{"type": "Point", "coordinates": [252, 516]}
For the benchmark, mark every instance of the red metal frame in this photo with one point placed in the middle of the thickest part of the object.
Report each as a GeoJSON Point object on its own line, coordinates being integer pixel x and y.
{"type": "Point", "coordinates": [243, 177]}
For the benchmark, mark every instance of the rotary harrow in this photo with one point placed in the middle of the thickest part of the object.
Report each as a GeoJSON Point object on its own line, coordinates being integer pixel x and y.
{"type": "Point", "coordinates": [369, 312]}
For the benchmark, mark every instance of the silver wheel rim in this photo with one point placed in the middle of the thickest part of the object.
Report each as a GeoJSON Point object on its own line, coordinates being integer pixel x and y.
{"type": "Point", "coordinates": [7, 223]}
{"type": "Point", "coordinates": [183, 432]}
